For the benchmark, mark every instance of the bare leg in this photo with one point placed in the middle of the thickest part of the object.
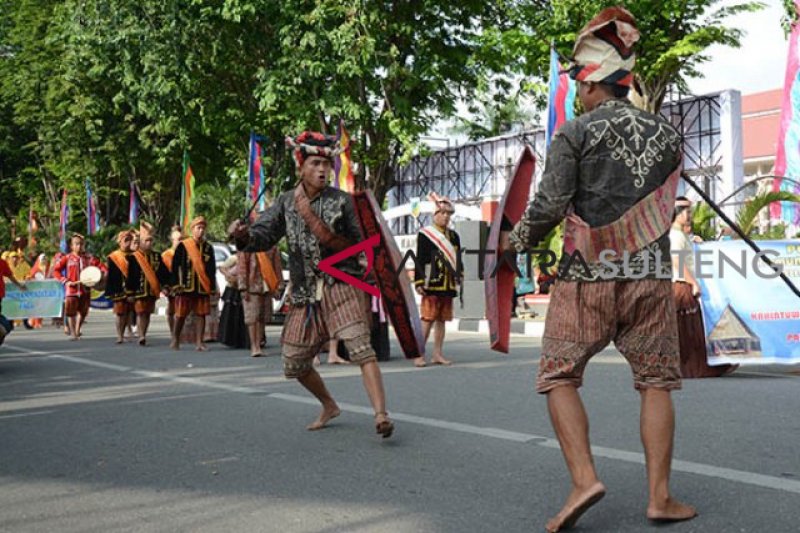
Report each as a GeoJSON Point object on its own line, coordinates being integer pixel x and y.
{"type": "Point", "coordinates": [255, 339]}
{"type": "Point", "coordinates": [373, 383]}
{"type": "Point", "coordinates": [333, 353]}
{"type": "Point", "coordinates": [657, 424]}
{"type": "Point", "coordinates": [572, 429]}
{"type": "Point", "coordinates": [81, 319]}
{"type": "Point", "coordinates": [313, 383]}
{"type": "Point", "coordinates": [176, 332]}
{"type": "Point", "coordinates": [122, 323]}
{"type": "Point", "coordinates": [426, 332]}
{"type": "Point", "coordinates": [72, 326]}
{"type": "Point", "coordinates": [438, 343]}
{"type": "Point", "coordinates": [144, 324]}
{"type": "Point", "coordinates": [200, 333]}
{"type": "Point", "coordinates": [171, 323]}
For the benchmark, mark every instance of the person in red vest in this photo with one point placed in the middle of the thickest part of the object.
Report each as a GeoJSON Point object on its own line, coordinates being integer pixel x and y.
{"type": "Point", "coordinates": [67, 269]}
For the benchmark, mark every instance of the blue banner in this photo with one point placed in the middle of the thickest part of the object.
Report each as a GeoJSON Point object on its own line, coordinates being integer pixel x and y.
{"type": "Point", "coordinates": [750, 315]}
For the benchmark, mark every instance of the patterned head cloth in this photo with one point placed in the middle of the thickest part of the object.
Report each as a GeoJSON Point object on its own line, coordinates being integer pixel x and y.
{"type": "Point", "coordinates": [442, 203]}
{"type": "Point", "coordinates": [198, 221]}
{"type": "Point", "coordinates": [603, 51]}
{"type": "Point", "coordinates": [311, 143]}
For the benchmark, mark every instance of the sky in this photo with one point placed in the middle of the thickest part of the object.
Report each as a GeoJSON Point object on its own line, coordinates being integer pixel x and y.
{"type": "Point", "coordinates": [759, 65]}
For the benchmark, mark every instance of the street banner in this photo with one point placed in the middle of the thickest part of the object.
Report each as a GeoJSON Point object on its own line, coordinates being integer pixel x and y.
{"type": "Point", "coordinates": [42, 299]}
{"type": "Point", "coordinates": [787, 157]}
{"type": "Point", "coordinates": [750, 315]}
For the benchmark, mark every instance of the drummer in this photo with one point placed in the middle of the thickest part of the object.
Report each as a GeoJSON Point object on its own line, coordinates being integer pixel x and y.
{"type": "Point", "coordinates": [68, 270]}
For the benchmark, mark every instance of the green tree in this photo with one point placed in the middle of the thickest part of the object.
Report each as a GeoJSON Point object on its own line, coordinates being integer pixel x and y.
{"type": "Point", "coordinates": [675, 37]}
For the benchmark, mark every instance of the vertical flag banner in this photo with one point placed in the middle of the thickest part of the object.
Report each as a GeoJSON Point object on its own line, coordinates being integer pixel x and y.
{"type": "Point", "coordinates": [187, 194]}
{"type": "Point", "coordinates": [256, 176]}
{"type": "Point", "coordinates": [343, 165]}
{"type": "Point", "coordinates": [560, 97]}
{"type": "Point", "coordinates": [63, 221]}
{"type": "Point", "coordinates": [92, 216]}
{"type": "Point", "coordinates": [787, 159]}
{"type": "Point", "coordinates": [133, 209]}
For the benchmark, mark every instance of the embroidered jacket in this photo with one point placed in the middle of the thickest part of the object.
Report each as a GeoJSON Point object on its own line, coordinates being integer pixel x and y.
{"type": "Point", "coordinates": [281, 219]}
{"type": "Point", "coordinates": [68, 268]}
{"type": "Point", "coordinates": [601, 165]}
{"type": "Point", "coordinates": [432, 264]}
{"type": "Point", "coordinates": [183, 278]}
{"type": "Point", "coordinates": [115, 283]}
{"type": "Point", "coordinates": [137, 284]}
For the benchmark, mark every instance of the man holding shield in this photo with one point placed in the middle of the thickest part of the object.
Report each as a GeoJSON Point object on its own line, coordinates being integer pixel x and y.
{"type": "Point", "coordinates": [612, 174]}
{"type": "Point", "coordinates": [319, 221]}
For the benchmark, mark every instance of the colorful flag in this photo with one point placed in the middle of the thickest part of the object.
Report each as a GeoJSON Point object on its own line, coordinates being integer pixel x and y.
{"type": "Point", "coordinates": [187, 194]}
{"type": "Point", "coordinates": [63, 221]}
{"type": "Point", "coordinates": [343, 166]}
{"type": "Point", "coordinates": [92, 216]}
{"type": "Point", "coordinates": [256, 176]}
{"type": "Point", "coordinates": [560, 98]}
{"type": "Point", "coordinates": [133, 206]}
{"type": "Point", "coordinates": [787, 159]}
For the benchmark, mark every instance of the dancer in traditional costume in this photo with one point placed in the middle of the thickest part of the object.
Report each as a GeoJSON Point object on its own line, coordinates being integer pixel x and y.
{"type": "Point", "coordinates": [116, 290]}
{"type": "Point", "coordinates": [686, 291]}
{"type": "Point", "coordinates": [146, 273]}
{"type": "Point", "coordinates": [259, 278]}
{"type": "Point", "coordinates": [319, 221]}
{"type": "Point", "coordinates": [193, 281]}
{"type": "Point", "coordinates": [67, 269]}
{"type": "Point", "coordinates": [437, 276]}
{"type": "Point", "coordinates": [175, 237]}
{"type": "Point", "coordinates": [612, 173]}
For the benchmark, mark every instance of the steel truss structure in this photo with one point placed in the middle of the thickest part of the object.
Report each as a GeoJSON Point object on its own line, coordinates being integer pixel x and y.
{"type": "Point", "coordinates": [474, 172]}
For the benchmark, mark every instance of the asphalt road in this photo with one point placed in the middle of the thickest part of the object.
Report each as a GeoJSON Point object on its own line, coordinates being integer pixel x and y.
{"type": "Point", "coordinates": [100, 437]}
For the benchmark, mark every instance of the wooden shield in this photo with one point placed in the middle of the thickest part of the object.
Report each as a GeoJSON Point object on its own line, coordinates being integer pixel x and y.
{"type": "Point", "coordinates": [499, 286]}
{"type": "Point", "coordinates": [396, 292]}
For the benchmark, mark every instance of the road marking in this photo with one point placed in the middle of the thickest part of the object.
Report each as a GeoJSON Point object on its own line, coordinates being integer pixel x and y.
{"type": "Point", "coordinates": [21, 415]}
{"type": "Point", "coordinates": [738, 476]}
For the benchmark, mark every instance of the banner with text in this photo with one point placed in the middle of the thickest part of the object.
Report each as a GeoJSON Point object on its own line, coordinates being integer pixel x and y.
{"type": "Point", "coordinates": [42, 299]}
{"type": "Point", "coordinates": [750, 315]}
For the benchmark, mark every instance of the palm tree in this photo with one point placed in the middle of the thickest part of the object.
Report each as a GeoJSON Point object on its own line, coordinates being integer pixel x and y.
{"type": "Point", "coordinates": [748, 215]}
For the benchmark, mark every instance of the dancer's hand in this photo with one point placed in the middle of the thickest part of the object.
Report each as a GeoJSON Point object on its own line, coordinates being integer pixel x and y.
{"type": "Point", "coordinates": [239, 232]}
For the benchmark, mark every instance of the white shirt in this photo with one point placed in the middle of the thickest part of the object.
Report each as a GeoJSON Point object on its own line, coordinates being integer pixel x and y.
{"type": "Point", "coordinates": [679, 241]}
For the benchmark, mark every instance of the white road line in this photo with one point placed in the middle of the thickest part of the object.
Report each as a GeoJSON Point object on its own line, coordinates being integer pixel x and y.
{"type": "Point", "coordinates": [738, 476]}
{"type": "Point", "coordinates": [22, 415]}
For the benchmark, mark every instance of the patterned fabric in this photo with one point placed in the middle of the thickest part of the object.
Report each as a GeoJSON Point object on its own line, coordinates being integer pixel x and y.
{"type": "Point", "coordinates": [599, 166]}
{"type": "Point", "coordinates": [141, 284]}
{"type": "Point", "coordinates": [281, 219]}
{"type": "Point", "coordinates": [257, 308]}
{"type": "Point", "coordinates": [326, 237]}
{"type": "Point", "coordinates": [603, 50]}
{"type": "Point", "coordinates": [311, 143]}
{"type": "Point", "coordinates": [343, 313]}
{"type": "Point", "coordinates": [583, 318]}
{"type": "Point", "coordinates": [249, 276]}
{"type": "Point", "coordinates": [184, 279]}
{"type": "Point", "coordinates": [436, 308]}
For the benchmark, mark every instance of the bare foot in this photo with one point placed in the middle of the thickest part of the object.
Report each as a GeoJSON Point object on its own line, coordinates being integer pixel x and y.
{"type": "Point", "coordinates": [201, 348]}
{"type": "Point", "coordinates": [419, 362]}
{"type": "Point", "coordinates": [328, 413]}
{"type": "Point", "coordinates": [337, 361]}
{"type": "Point", "coordinates": [142, 341]}
{"type": "Point", "coordinates": [383, 426]}
{"type": "Point", "coordinates": [119, 341]}
{"type": "Point", "coordinates": [579, 501]}
{"type": "Point", "coordinates": [441, 361]}
{"type": "Point", "coordinates": [174, 345]}
{"type": "Point", "coordinates": [256, 354]}
{"type": "Point", "coordinates": [670, 511]}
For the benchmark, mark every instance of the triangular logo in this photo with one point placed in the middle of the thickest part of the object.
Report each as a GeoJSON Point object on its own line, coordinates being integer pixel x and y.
{"type": "Point", "coordinates": [367, 246]}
